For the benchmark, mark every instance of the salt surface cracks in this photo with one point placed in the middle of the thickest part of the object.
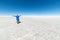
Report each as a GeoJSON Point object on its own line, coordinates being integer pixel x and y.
{"type": "Point", "coordinates": [45, 28]}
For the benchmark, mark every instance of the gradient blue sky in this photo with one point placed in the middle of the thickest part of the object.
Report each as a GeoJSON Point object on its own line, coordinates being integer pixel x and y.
{"type": "Point", "coordinates": [30, 7]}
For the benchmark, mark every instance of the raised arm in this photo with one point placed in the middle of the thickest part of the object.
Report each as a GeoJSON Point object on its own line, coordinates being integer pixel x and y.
{"type": "Point", "coordinates": [16, 15]}
{"type": "Point", "coordinates": [19, 15]}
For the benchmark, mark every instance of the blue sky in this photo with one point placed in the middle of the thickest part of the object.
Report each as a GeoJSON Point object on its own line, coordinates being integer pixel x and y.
{"type": "Point", "coordinates": [30, 7]}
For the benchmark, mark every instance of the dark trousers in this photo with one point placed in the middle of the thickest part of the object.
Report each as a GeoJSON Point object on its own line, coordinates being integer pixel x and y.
{"type": "Point", "coordinates": [18, 21]}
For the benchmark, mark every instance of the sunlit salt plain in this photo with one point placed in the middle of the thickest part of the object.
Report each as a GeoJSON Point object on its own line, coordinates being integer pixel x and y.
{"type": "Point", "coordinates": [30, 28]}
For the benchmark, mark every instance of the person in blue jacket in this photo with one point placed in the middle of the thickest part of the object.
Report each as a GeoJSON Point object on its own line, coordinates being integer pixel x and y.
{"type": "Point", "coordinates": [17, 19]}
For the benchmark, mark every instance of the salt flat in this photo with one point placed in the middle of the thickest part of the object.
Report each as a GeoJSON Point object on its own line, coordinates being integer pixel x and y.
{"type": "Point", "coordinates": [30, 28]}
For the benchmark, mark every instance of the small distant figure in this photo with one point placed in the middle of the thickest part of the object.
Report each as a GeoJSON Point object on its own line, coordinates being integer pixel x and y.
{"type": "Point", "coordinates": [17, 19]}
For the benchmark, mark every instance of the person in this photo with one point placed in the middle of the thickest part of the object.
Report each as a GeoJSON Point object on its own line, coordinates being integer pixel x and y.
{"type": "Point", "coordinates": [17, 19]}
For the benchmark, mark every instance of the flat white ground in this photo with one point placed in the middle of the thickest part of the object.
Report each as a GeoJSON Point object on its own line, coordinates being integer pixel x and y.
{"type": "Point", "coordinates": [30, 28]}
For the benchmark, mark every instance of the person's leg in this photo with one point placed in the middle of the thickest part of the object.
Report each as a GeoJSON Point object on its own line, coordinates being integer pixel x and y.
{"type": "Point", "coordinates": [18, 21]}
